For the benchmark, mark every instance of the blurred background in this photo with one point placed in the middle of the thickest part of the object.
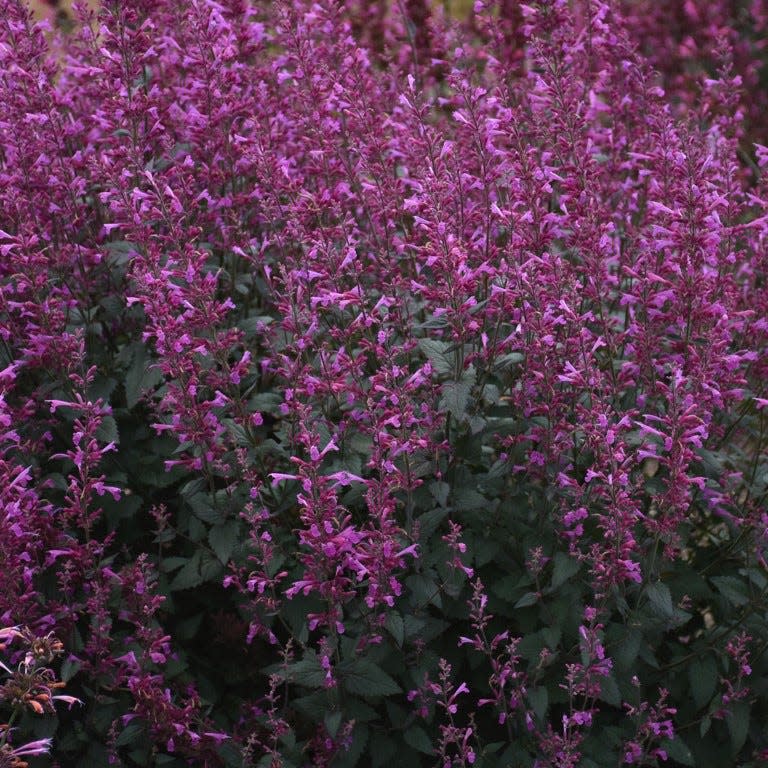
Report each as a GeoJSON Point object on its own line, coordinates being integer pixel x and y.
{"type": "Point", "coordinates": [59, 10]}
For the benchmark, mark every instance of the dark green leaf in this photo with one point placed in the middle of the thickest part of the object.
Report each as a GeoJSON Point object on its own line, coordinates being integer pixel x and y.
{"type": "Point", "coordinates": [141, 376]}
{"type": "Point", "coordinates": [738, 724]}
{"type": "Point", "coordinates": [529, 598]}
{"type": "Point", "coordinates": [660, 599]}
{"type": "Point", "coordinates": [394, 625]}
{"type": "Point", "coordinates": [609, 691]}
{"type": "Point", "coordinates": [702, 675]}
{"type": "Point", "coordinates": [565, 566]}
{"type": "Point", "coordinates": [307, 672]}
{"type": "Point", "coordinates": [351, 756]}
{"type": "Point", "coordinates": [383, 750]}
{"type": "Point", "coordinates": [455, 394]}
{"type": "Point", "coordinates": [438, 354]}
{"type": "Point", "coordinates": [538, 698]}
{"type": "Point", "coordinates": [430, 521]}
{"type": "Point", "coordinates": [189, 576]}
{"type": "Point", "coordinates": [417, 738]}
{"type": "Point", "coordinates": [678, 750]}
{"type": "Point", "coordinates": [366, 679]}
{"type": "Point", "coordinates": [223, 538]}
{"type": "Point", "coordinates": [107, 431]}
{"type": "Point", "coordinates": [732, 589]}
{"type": "Point", "coordinates": [332, 721]}
{"type": "Point", "coordinates": [132, 732]}
{"type": "Point", "coordinates": [69, 669]}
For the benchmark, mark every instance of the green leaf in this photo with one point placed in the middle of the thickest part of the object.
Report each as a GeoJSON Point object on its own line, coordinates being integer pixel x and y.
{"type": "Point", "coordinates": [140, 376]}
{"type": "Point", "coordinates": [438, 354]}
{"type": "Point", "coordinates": [430, 521]}
{"type": "Point", "coordinates": [440, 490]}
{"type": "Point", "coordinates": [363, 713]}
{"type": "Point", "coordinates": [529, 598]}
{"type": "Point", "coordinates": [69, 669]}
{"type": "Point", "coordinates": [189, 576]}
{"type": "Point", "coordinates": [678, 750]}
{"type": "Point", "coordinates": [130, 733]}
{"type": "Point", "coordinates": [702, 675]}
{"type": "Point", "coordinates": [609, 691]}
{"type": "Point", "coordinates": [468, 499]}
{"type": "Point", "coordinates": [565, 566]}
{"type": "Point", "coordinates": [350, 757]}
{"type": "Point", "coordinates": [313, 706]}
{"type": "Point", "coordinates": [307, 672]}
{"type": "Point", "coordinates": [455, 394]}
{"type": "Point", "coordinates": [737, 720]}
{"type": "Point", "coordinates": [364, 678]}
{"type": "Point", "coordinates": [107, 431]}
{"type": "Point", "coordinates": [424, 589]}
{"type": "Point", "coordinates": [230, 753]}
{"type": "Point", "coordinates": [382, 750]}
{"type": "Point", "coordinates": [223, 538]}
{"type": "Point", "coordinates": [250, 326]}
{"type": "Point", "coordinates": [732, 589]}
{"type": "Point", "coordinates": [210, 568]}
{"type": "Point", "coordinates": [417, 738]}
{"type": "Point", "coordinates": [395, 627]}
{"type": "Point", "coordinates": [627, 647]}
{"type": "Point", "coordinates": [332, 722]}
{"type": "Point", "coordinates": [660, 599]}
{"type": "Point", "coordinates": [538, 698]}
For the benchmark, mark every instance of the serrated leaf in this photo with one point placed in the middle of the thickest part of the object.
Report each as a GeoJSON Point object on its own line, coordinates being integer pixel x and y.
{"type": "Point", "coordinates": [439, 490]}
{"type": "Point", "coordinates": [438, 354]}
{"type": "Point", "coordinates": [430, 521]}
{"type": "Point", "coordinates": [732, 589]}
{"type": "Point", "coordinates": [424, 589]}
{"type": "Point", "coordinates": [468, 499]}
{"type": "Point", "coordinates": [702, 675]}
{"type": "Point", "coordinates": [366, 679]}
{"type": "Point", "coordinates": [529, 598]}
{"type": "Point", "coordinates": [210, 568]}
{"type": "Point", "coordinates": [223, 538]}
{"type": "Point", "coordinates": [382, 750]}
{"type": "Point", "coordinates": [250, 326]}
{"type": "Point", "coordinates": [169, 564]}
{"type": "Point", "coordinates": [417, 738]}
{"type": "Point", "coordinates": [564, 567]}
{"type": "Point", "coordinates": [313, 706]}
{"type": "Point", "coordinates": [332, 721]}
{"type": "Point", "coordinates": [609, 691]}
{"type": "Point", "coordinates": [69, 669]}
{"type": "Point", "coordinates": [230, 753]}
{"type": "Point", "coordinates": [627, 647]}
{"type": "Point", "coordinates": [107, 431]}
{"type": "Point", "coordinates": [660, 599]}
{"type": "Point", "coordinates": [738, 724]}
{"type": "Point", "coordinates": [455, 395]}
{"type": "Point", "coordinates": [678, 750]}
{"type": "Point", "coordinates": [351, 755]}
{"type": "Point", "coordinates": [189, 576]}
{"type": "Point", "coordinates": [539, 701]}
{"type": "Point", "coordinates": [363, 712]}
{"type": "Point", "coordinates": [140, 376]}
{"type": "Point", "coordinates": [307, 672]}
{"type": "Point", "coordinates": [132, 732]}
{"type": "Point", "coordinates": [395, 627]}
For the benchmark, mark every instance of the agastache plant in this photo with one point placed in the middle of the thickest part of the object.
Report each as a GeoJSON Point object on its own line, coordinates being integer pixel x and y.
{"type": "Point", "coordinates": [381, 383]}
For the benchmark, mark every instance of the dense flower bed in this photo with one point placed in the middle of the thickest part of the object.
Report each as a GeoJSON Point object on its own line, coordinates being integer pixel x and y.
{"type": "Point", "coordinates": [379, 389]}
